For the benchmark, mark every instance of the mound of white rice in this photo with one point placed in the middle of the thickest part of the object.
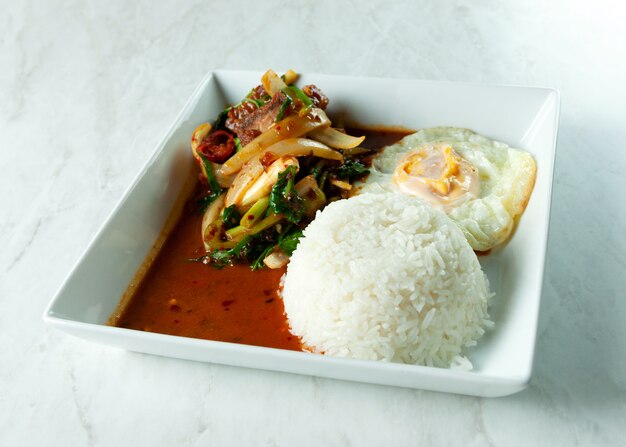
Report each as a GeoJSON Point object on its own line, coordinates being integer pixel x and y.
{"type": "Point", "coordinates": [386, 277]}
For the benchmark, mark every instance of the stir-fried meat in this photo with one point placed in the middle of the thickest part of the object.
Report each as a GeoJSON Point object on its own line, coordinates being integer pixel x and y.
{"type": "Point", "coordinates": [238, 114]}
{"type": "Point", "coordinates": [248, 120]}
{"type": "Point", "coordinates": [260, 120]}
{"type": "Point", "coordinates": [258, 92]}
{"type": "Point", "coordinates": [246, 136]}
{"type": "Point", "coordinates": [318, 97]}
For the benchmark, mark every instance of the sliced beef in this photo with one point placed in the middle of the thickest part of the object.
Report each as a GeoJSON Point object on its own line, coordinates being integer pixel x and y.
{"type": "Point", "coordinates": [246, 136]}
{"type": "Point", "coordinates": [238, 114]}
{"type": "Point", "coordinates": [260, 120]}
{"type": "Point", "coordinates": [318, 97]}
{"type": "Point", "coordinates": [248, 121]}
{"type": "Point", "coordinates": [259, 92]}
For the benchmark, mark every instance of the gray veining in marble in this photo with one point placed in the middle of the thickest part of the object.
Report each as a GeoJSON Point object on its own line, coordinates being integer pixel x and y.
{"type": "Point", "coordinates": [88, 88]}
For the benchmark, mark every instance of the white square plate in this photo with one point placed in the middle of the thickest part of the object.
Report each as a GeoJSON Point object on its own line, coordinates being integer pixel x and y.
{"type": "Point", "coordinates": [523, 117]}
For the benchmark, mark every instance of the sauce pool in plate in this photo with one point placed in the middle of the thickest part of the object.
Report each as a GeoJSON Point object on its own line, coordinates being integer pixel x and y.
{"type": "Point", "coordinates": [190, 299]}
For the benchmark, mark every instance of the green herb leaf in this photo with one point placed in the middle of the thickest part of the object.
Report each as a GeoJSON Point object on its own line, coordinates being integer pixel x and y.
{"type": "Point", "coordinates": [283, 109]}
{"type": "Point", "coordinates": [290, 241]}
{"type": "Point", "coordinates": [284, 199]}
{"type": "Point", "coordinates": [258, 263]}
{"type": "Point", "coordinates": [203, 203]}
{"type": "Point", "coordinates": [351, 169]}
{"type": "Point", "coordinates": [222, 258]}
{"type": "Point", "coordinates": [230, 217]}
{"type": "Point", "coordinates": [318, 169]}
{"type": "Point", "coordinates": [220, 122]}
{"type": "Point", "coordinates": [208, 167]}
{"type": "Point", "coordinates": [213, 187]}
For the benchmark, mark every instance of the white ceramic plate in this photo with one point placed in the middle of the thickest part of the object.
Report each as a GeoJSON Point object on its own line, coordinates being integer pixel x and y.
{"type": "Point", "coordinates": [522, 117]}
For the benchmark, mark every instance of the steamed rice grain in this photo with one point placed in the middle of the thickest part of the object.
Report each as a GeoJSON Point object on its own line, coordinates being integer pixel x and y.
{"type": "Point", "coordinates": [386, 277]}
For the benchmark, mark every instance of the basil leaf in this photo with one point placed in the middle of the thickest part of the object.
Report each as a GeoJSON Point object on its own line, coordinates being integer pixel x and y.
{"type": "Point", "coordinates": [284, 199]}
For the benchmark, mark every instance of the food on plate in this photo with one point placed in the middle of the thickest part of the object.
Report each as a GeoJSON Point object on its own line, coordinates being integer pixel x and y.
{"type": "Point", "coordinates": [483, 185]}
{"type": "Point", "coordinates": [352, 246]}
{"type": "Point", "coordinates": [386, 277]}
{"type": "Point", "coordinates": [267, 165]}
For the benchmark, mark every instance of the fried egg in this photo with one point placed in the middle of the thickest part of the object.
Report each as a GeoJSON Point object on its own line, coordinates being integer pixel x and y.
{"type": "Point", "coordinates": [483, 185]}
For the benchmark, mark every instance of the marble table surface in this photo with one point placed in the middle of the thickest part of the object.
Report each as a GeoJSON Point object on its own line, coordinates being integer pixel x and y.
{"type": "Point", "coordinates": [87, 90]}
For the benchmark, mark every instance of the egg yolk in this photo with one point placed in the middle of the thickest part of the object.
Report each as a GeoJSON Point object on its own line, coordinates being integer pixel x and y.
{"type": "Point", "coordinates": [437, 174]}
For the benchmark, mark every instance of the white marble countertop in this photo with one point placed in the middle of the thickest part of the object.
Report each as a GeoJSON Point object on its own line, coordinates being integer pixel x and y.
{"type": "Point", "coordinates": [88, 88]}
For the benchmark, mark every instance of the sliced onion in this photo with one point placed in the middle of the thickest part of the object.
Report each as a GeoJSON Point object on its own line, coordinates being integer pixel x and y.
{"type": "Point", "coordinates": [211, 214]}
{"type": "Point", "coordinates": [341, 184]}
{"type": "Point", "coordinates": [334, 138]}
{"type": "Point", "coordinates": [296, 147]}
{"type": "Point", "coordinates": [263, 185]}
{"type": "Point", "coordinates": [305, 185]}
{"type": "Point", "coordinates": [246, 177]}
{"type": "Point", "coordinates": [356, 151]}
{"type": "Point", "coordinates": [276, 260]}
{"type": "Point", "coordinates": [212, 237]}
{"type": "Point", "coordinates": [223, 180]}
{"type": "Point", "coordinates": [196, 138]}
{"type": "Point", "coordinates": [309, 190]}
{"type": "Point", "coordinates": [272, 83]}
{"type": "Point", "coordinates": [290, 77]}
{"type": "Point", "coordinates": [198, 135]}
{"type": "Point", "coordinates": [291, 147]}
{"type": "Point", "coordinates": [291, 127]}
{"type": "Point", "coordinates": [235, 163]}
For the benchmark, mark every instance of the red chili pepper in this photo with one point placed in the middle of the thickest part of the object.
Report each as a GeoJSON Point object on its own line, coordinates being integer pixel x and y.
{"type": "Point", "coordinates": [217, 146]}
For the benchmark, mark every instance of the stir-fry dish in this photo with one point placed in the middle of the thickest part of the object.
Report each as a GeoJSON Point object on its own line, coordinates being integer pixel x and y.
{"type": "Point", "coordinates": [267, 165]}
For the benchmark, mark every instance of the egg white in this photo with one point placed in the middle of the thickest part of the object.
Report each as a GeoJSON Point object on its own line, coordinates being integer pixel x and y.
{"type": "Point", "coordinates": [506, 178]}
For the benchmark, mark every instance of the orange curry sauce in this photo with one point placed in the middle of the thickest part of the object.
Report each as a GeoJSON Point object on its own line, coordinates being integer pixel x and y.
{"type": "Point", "coordinates": [235, 304]}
